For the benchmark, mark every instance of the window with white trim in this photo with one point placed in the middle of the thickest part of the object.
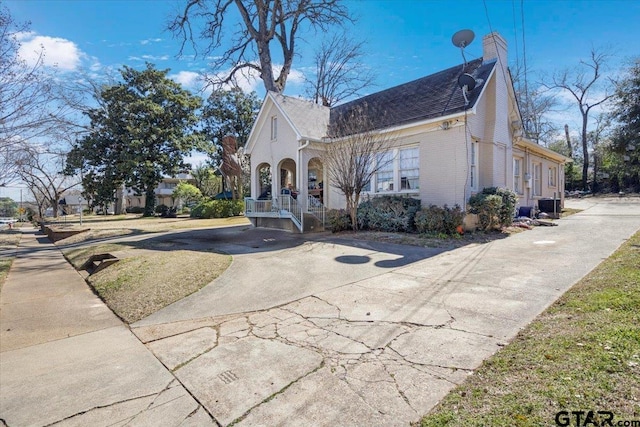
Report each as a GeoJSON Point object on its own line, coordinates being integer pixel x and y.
{"type": "Point", "coordinates": [398, 171]}
{"type": "Point", "coordinates": [384, 175]}
{"type": "Point", "coordinates": [473, 167]}
{"type": "Point", "coordinates": [517, 175]}
{"type": "Point", "coordinates": [537, 179]}
{"type": "Point", "coordinates": [274, 128]}
{"type": "Point", "coordinates": [553, 173]}
{"type": "Point", "coordinates": [409, 169]}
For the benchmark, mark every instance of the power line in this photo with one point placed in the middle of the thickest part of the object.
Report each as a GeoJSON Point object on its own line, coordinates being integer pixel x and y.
{"type": "Point", "coordinates": [524, 58]}
{"type": "Point", "coordinates": [515, 33]}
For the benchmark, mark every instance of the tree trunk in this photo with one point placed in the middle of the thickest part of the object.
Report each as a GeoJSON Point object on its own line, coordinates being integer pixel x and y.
{"type": "Point", "coordinates": [585, 152]}
{"type": "Point", "coordinates": [119, 207]}
{"type": "Point", "coordinates": [150, 201]}
{"type": "Point", "coordinates": [566, 135]}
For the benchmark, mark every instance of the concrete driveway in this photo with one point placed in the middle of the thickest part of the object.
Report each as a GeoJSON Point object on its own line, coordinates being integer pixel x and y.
{"type": "Point", "coordinates": [331, 332]}
{"type": "Point", "coordinates": [298, 331]}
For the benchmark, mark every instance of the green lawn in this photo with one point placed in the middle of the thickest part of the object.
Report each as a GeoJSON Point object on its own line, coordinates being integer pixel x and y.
{"type": "Point", "coordinates": [581, 354]}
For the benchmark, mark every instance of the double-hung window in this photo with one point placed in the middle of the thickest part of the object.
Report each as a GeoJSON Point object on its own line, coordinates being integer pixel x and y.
{"type": "Point", "coordinates": [517, 176]}
{"type": "Point", "coordinates": [384, 175]}
{"type": "Point", "coordinates": [397, 170]}
{"type": "Point", "coordinates": [553, 173]}
{"type": "Point", "coordinates": [537, 179]}
{"type": "Point", "coordinates": [409, 169]}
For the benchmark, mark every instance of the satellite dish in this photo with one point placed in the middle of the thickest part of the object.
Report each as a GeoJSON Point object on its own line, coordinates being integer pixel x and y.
{"type": "Point", "coordinates": [463, 38]}
{"type": "Point", "coordinates": [466, 80]}
{"type": "Point", "coordinates": [466, 83]}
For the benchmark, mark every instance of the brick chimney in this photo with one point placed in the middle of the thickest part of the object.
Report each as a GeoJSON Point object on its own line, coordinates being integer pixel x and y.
{"type": "Point", "coordinates": [494, 47]}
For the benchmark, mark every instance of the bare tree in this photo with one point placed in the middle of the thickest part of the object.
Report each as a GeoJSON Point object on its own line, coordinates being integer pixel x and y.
{"type": "Point", "coordinates": [355, 152]}
{"type": "Point", "coordinates": [581, 83]}
{"type": "Point", "coordinates": [263, 23]}
{"type": "Point", "coordinates": [535, 104]}
{"type": "Point", "coordinates": [596, 137]}
{"type": "Point", "coordinates": [41, 170]}
{"type": "Point", "coordinates": [34, 104]}
{"type": "Point", "coordinates": [340, 74]}
{"type": "Point", "coordinates": [24, 94]}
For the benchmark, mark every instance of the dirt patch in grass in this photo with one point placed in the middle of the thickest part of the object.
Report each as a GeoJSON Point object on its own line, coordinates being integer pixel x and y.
{"type": "Point", "coordinates": [581, 354]}
{"type": "Point", "coordinates": [146, 280]}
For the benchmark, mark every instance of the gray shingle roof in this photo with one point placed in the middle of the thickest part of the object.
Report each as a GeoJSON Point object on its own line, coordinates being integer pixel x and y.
{"type": "Point", "coordinates": [429, 97]}
{"type": "Point", "coordinates": [309, 119]}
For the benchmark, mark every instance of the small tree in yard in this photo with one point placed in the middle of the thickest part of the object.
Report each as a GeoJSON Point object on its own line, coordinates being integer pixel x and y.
{"type": "Point", "coordinates": [187, 193]}
{"type": "Point", "coordinates": [354, 155]}
{"type": "Point", "coordinates": [494, 206]}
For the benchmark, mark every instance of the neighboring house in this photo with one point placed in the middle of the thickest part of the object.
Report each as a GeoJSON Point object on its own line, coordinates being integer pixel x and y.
{"type": "Point", "coordinates": [72, 203]}
{"type": "Point", "coordinates": [447, 145]}
{"type": "Point", "coordinates": [164, 192]}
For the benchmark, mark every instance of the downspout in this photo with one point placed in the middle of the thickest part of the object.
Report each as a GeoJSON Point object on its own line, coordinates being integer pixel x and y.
{"type": "Point", "coordinates": [527, 176]}
{"type": "Point", "coordinates": [301, 187]}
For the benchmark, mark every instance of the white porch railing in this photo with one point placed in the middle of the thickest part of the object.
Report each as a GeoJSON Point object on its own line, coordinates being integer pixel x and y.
{"type": "Point", "coordinates": [283, 207]}
{"type": "Point", "coordinates": [315, 207]}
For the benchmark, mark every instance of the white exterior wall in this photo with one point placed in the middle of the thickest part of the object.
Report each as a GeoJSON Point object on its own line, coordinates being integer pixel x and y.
{"type": "Point", "coordinates": [271, 151]}
{"type": "Point", "coordinates": [490, 126]}
{"type": "Point", "coordinates": [444, 167]}
{"type": "Point", "coordinates": [526, 197]}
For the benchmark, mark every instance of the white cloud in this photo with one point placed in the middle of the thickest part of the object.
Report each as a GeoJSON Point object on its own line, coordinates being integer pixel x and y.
{"type": "Point", "coordinates": [61, 53]}
{"type": "Point", "coordinates": [155, 57]}
{"type": "Point", "coordinates": [147, 41]}
{"type": "Point", "coordinates": [189, 79]}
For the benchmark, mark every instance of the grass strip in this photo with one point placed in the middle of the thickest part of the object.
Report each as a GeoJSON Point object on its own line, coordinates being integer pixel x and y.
{"type": "Point", "coordinates": [581, 354]}
{"type": "Point", "coordinates": [8, 239]}
{"type": "Point", "coordinates": [148, 278]}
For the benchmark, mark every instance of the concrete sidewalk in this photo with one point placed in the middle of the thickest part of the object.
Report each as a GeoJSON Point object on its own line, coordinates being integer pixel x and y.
{"type": "Point", "coordinates": [66, 359]}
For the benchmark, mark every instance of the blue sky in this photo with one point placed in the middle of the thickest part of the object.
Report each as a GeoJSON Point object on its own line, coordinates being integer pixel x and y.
{"type": "Point", "coordinates": [406, 39]}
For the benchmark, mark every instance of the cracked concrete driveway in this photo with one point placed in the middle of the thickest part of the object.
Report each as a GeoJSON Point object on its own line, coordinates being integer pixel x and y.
{"type": "Point", "coordinates": [336, 332]}
{"type": "Point", "coordinates": [298, 331]}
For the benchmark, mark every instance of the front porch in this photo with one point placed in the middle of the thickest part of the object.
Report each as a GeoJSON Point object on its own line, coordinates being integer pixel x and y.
{"type": "Point", "coordinates": [287, 212]}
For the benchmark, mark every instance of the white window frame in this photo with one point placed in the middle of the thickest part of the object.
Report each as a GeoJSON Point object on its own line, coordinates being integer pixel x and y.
{"type": "Point", "coordinates": [537, 179]}
{"type": "Point", "coordinates": [410, 181]}
{"type": "Point", "coordinates": [553, 176]}
{"type": "Point", "coordinates": [274, 128]}
{"type": "Point", "coordinates": [473, 166]}
{"type": "Point", "coordinates": [517, 175]}
{"type": "Point", "coordinates": [387, 170]}
{"type": "Point", "coordinates": [394, 168]}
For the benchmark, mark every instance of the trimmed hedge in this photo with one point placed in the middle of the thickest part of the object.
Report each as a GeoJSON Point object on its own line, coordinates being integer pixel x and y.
{"type": "Point", "coordinates": [217, 209]}
{"type": "Point", "coordinates": [338, 220]}
{"type": "Point", "coordinates": [494, 206]}
{"type": "Point", "coordinates": [135, 210]}
{"type": "Point", "coordinates": [388, 213]}
{"type": "Point", "coordinates": [439, 220]}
